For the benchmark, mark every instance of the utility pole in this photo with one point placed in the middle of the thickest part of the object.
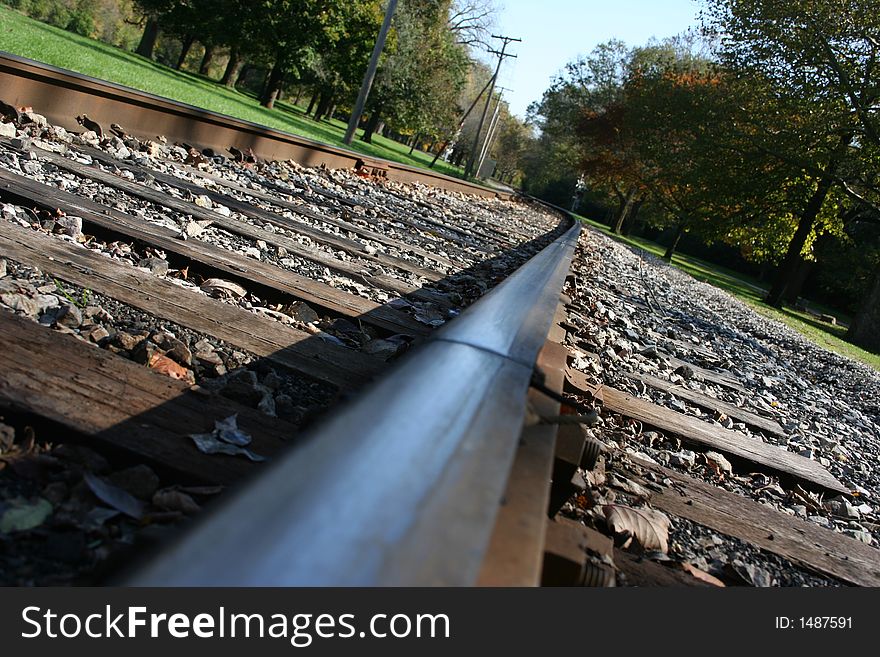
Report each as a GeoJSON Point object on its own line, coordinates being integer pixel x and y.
{"type": "Point", "coordinates": [370, 74]}
{"type": "Point", "coordinates": [501, 56]}
{"type": "Point", "coordinates": [461, 123]}
{"type": "Point", "coordinates": [490, 133]}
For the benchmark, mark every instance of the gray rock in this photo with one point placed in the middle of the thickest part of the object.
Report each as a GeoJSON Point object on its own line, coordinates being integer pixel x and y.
{"type": "Point", "coordinates": [98, 333]}
{"type": "Point", "coordinates": [70, 226]}
{"type": "Point", "coordinates": [685, 371]}
{"type": "Point", "coordinates": [7, 130]}
{"type": "Point", "coordinates": [383, 349]}
{"type": "Point", "coordinates": [860, 535]}
{"type": "Point", "coordinates": [2, 267]}
{"type": "Point", "coordinates": [156, 266]}
{"type": "Point", "coordinates": [841, 508]}
{"type": "Point", "coordinates": [33, 117]}
{"type": "Point", "coordinates": [685, 458]}
{"type": "Point", "coordinates": [127, 341]}
{"type": "Point", "coordinates": [302, 312]}
{"type": "Point", "coordinates": [69, 316]}
{"type": "Point", "coordinates": [172, 347]}
{"type": "Point", "coordinates": [21, 143]}
{"type": "Point", "coordinates": [30, 306]}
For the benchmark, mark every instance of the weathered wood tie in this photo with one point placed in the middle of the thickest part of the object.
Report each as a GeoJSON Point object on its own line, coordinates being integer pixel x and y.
{"type": "Point", "coordinates": [22, 189]}
{"type": "Point", "coordinates": [122, 404]}
{"type": "Point", "coordinates": [701, 433]}
{"type": "Point", "coordinates": [343, 368]}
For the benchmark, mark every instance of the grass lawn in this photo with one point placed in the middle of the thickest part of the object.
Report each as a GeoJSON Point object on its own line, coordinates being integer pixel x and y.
{"type": "Point", "coordinates": [752, 292]}
{"type": "Point", "coordinates": [26, 37]}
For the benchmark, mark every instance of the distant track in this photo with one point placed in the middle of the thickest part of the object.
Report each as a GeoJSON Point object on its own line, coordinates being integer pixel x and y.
{"type": "Point", "coordinates": [61, 95]}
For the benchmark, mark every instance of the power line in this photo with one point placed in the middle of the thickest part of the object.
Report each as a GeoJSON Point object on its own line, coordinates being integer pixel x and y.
{"type": "Point", "coordinates": [502, 55]}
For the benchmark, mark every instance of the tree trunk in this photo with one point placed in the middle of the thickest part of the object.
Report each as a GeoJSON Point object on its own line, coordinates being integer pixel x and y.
{"type": "Point", "coordinates": [233, 68]}
{"type": "Point", "coordinates": [150, 37]}
{"type": "Point", "coordinates": [186, 46]}
{"type": "Point", "coordinates": [243, 73]}
{"type": "Point", "coordinates": [370, 128]}
{"type": "Point", "coordinates": [415, 140]}
{"type": "Point", "coordinates": [679, 231]}
{"type": "Point", "coordinates": [865, 328]}
{"type": "Point", "coordinates": [323, 104]}
{"type": "Point", "coordinates": [206, 60]}
{"type": "Point", "coordinates": [786, 271]}
{"type": "Point", "coordinates": [312, 101]}
{"type": "Point", "coordinates": [330, 112]}
{"type": "Point", "coordinates": [273, 85]}
{"type": "Point", "coordinates": [439, 152]}
{"type": "Point", "coordinates": [802, 272]}
{"type": "Point", "coordinates": [625, 206]}
{"type": "Point", "coordinates": [632, 217]}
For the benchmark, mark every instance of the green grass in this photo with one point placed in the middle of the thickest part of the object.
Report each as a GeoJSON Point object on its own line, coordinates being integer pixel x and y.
{"type": "Point", "coordinates": [752, 292]}
{"type": "Point", "coordinates": [26, 37]}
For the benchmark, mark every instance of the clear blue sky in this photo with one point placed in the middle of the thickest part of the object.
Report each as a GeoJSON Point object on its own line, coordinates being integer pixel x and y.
{"type": "Point", "coordinates": [555, 32]}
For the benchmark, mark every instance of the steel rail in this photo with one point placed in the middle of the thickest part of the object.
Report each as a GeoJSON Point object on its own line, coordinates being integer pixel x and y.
{"type": "Point", "coordinates": [403, 487]}
{"type": "Point", "coordinates": [61, 95]}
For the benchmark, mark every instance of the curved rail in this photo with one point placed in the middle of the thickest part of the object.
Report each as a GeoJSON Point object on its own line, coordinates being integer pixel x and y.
{"type": "Point", "coordinates": [61, 95]}
{"type": "Point", "coordinates": [403, 487]}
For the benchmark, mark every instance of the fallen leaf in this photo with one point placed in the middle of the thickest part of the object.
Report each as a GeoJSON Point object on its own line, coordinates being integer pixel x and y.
{"type": "Point", "coordinates": [164, 365]}
{"type": "Point", "coordinates": [648, 527]}
{"type": "Point", "coordinates": [701, 575]}
{"type": "Point", "coordinates": [227, 430]}
{"type": "Point", "coordinates": [218, 287]}
{"type": "Point", "coordinates": [114, 496]}
{"type": "Point", "coordinates": [208, 443]}
{"type": "Point", "coordinates": [25, 515]}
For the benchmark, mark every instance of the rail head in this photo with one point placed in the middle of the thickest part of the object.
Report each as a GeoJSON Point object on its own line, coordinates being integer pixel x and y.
{"type": "Point", "coordinates": [403, 486]}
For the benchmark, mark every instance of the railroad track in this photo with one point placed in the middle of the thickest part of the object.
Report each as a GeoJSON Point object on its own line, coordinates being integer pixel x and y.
{"type": "Point", "coordinates": [222, 372]}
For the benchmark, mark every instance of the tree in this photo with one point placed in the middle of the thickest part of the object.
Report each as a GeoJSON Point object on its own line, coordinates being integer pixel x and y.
{"type": "Point", "coordinates": [288, 33]}
{"type": "Point", "coordinates": [558, 157]}
{"type": "Point", "coordinates": [511, 145]}
{"type": "Point", "coordinates": [337, 71]}
{"type": "Point", "coordinates": [470, 22]}
{"type": "Point", "coordinates": [813, 63]}
{"type": "Point", "coordinates": [152, 10]}
{"type": "Point", "coordinates": [420, 78]}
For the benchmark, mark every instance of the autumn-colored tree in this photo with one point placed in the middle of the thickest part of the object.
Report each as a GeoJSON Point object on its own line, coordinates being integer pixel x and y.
{"type": "Point", "coordinates": [811, 66]}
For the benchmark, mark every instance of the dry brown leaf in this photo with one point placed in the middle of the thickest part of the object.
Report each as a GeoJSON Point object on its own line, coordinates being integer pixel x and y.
{"type": "Point", "coordinates": [701, 575]}
{"type": "Point", "coordinates": [164, 365]}
{"type": "Point", "coordinates": [648, 527]}
{"type": "Point", "coordinates": [218, 287]}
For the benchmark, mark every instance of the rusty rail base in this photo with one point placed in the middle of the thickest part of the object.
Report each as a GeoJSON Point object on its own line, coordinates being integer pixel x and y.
{"type": "Point", "coordinates": [61, 95]}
